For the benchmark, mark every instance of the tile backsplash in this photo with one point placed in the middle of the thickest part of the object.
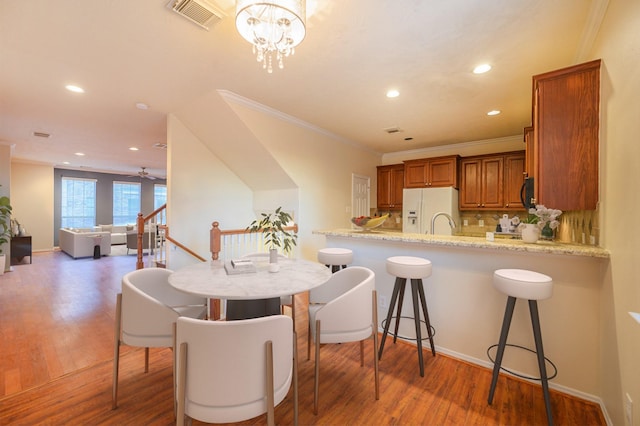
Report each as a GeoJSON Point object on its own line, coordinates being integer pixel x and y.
{"type": "Point", "coordinates": [579, 226]}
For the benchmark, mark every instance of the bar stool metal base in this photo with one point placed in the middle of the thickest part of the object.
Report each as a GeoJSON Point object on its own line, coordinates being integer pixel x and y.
{"type": "Point", "coordinates": [417, 292]}
{"type": "Point", "coordinates": [537, 336]}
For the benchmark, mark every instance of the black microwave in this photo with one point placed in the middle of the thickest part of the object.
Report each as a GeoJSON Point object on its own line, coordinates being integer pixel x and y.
{"type": "Point", "coordinates": [526, 194]}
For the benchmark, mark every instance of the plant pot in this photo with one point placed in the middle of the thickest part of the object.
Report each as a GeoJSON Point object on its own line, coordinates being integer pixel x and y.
{"type": "Point", "coordinates": [530, 232]}
{"type": "Point", "coordinates": [3, 261]}
{"type": "Point", "coordinates": [273, 255]}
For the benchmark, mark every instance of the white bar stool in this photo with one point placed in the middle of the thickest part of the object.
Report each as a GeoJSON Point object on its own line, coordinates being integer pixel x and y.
{"type": "Point", "coordinates": [532, 286]}
{"type": "Point", "coordinates": [335, 258]}
{"type": "Point", "coordinates": [415, 269]}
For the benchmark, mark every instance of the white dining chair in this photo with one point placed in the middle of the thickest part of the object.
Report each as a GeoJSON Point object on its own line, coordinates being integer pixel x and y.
{"type": "Point", "coordinates": [342, 310]}
{"type": "Point", "coordinates": [230, 371]}
{"type": "Point", "coordinates": [146, 310]}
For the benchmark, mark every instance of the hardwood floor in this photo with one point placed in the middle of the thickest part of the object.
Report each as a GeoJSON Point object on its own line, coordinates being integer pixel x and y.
{"type": "Point", "coordinates": [56, 321]}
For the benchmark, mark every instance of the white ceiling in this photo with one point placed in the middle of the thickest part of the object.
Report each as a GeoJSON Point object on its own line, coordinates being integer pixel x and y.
{"type": "Point", "coordinates": [123, 52]}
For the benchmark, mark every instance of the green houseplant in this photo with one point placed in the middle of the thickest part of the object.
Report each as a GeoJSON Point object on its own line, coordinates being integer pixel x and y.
{"type": "Point", "coordinates": [5, 228]}
{"type": "Point", "coordinates": [273, 225]}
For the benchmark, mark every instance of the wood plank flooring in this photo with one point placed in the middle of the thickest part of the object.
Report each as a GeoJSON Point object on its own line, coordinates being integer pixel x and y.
{"type": "Point", "coordinates": [56, 323]}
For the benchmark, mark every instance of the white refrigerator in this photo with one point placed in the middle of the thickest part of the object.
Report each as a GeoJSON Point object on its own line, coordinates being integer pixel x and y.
{"type": "Point", "coordinates": [419, 205]}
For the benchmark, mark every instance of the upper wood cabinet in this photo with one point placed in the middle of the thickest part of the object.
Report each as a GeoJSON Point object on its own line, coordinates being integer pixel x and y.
{"type": "Point", "coordinates": [565, 137]}
{"type": "Point", "coordinates": [481, 181]}
{"type": "Point", "coordinates": [491, 182]}
{"type": "Point", "coordinates": [529, 151]}
{"type": "Point", "coordinates": [390, 185]}
{"type": "Point", "coordinates": [514, 173]}
{"type": "Point", "coordinates": [431, 172]}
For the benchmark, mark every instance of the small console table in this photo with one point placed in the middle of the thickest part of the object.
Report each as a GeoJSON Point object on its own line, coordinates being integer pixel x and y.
{"type": "Point", "coordinates": [21, 247]}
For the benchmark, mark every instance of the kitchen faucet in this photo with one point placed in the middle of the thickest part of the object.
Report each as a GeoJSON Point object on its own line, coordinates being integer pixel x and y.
{"type": "Point", "coordinates": [452, 223]}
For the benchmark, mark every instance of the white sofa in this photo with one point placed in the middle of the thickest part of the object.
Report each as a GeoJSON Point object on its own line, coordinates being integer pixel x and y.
{"type": "Point", "coordinates": [81, 242]}
{"type": "Point", "coordinates": [118, 232]}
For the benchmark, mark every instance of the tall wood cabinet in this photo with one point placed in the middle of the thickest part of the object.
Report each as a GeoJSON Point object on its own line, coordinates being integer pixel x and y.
{"type": "Point", "coordinates": [491, 182]}
{"type": "Point", "coordinates": [431, 172]}
{"type": "Point", "coordinates": [390, 185]}
{"type": "Point", "coordinates": [565, 137]}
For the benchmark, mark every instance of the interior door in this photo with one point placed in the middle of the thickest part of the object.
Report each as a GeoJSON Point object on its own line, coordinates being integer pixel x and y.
{"type": "Point", "coordinates": [360, 191]}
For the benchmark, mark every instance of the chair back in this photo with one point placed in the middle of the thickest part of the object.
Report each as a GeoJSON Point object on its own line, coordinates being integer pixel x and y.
{"type": "Point", "coordinates": [150, 306]}
{"type": "Point", "coordinates": [226, 371]}
{"type": "Point", "coordinates": [347, 311]}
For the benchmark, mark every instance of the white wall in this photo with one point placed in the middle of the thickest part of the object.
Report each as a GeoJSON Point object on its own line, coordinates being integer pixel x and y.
{"type": "Point", "coordinates": [618, 44]}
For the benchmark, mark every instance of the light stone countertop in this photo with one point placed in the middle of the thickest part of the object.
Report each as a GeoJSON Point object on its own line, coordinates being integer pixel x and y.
{"type": "Point", "coordinates": [209, 279]}
{"type": "Point", "coordinates": [545, 247]}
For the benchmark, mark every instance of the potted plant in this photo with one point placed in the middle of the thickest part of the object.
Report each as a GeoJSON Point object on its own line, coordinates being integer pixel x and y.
{"type": "Point", "coordinates": [5, 228]}
{"type": "Point", "coordinates": [273, 225]}
{"type": "Point", "coordinates": [538, 220]}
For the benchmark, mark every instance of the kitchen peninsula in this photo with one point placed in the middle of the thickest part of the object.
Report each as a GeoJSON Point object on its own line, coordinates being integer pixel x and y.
{"type": "Point", "coordinates": [467, 311]}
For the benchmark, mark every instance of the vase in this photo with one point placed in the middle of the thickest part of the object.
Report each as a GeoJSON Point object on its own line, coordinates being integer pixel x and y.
{"type": "Point", "coordinates": [546, 233]}
{"type": "Point", "coordinates": [530, 232]}
{"type": "Point", "coordinates": [273, 255]}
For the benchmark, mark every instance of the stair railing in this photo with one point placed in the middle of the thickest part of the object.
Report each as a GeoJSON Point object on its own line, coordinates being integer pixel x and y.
{"type": "Point", "coordinates": [233, 243]}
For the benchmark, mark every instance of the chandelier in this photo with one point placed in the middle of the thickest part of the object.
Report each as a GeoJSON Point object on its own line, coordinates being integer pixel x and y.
{"type": "Point", "coordinates": [271, 26]}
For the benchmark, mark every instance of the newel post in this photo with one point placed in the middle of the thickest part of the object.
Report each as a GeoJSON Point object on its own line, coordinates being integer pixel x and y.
{"type": "Point", "coordinates": [140, 232]}
{"type": "Point", "coordinates": [215, 237]}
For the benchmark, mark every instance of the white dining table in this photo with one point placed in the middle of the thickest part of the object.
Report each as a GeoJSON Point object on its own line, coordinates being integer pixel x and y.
{"type": "Point", "coordinates": [210, 279]}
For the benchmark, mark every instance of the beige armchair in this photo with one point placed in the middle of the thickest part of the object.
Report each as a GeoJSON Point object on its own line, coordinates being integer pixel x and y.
{"type": "Point", "coordinates": [132, 240]}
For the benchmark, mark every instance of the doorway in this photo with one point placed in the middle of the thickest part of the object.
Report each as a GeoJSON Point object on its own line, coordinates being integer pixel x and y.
{"type": "Point", "coordinates": [360, 195]}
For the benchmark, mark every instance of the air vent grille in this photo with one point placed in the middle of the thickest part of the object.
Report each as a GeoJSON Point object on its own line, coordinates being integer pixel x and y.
{"type": "Point", "coordinates": [197, 11]}
{"type": "Point", "coordinates": [41, 134]}
{"type": "Point", "coordinates": [391, 130]}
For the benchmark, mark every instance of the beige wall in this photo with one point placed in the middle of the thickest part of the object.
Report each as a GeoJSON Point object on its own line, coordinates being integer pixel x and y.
{"type": "Point", "coordinates": [32, 201]}
{"type": "Point", "coordinates": [618, 44]}
{"type": "Point", "coordinates": [319, 165]}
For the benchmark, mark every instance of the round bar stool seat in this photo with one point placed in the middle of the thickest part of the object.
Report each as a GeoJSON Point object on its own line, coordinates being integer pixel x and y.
{"type": "Point", "coordinates": [415, 269]}
{"type": "Point", "coordinates": [531, 286]}
{"type": "Point", "coordinates": [335, 258]}
{"type": "Point", "coordinates": [523, 284]}
{"type": "Point", "coordinates": [409, 267]}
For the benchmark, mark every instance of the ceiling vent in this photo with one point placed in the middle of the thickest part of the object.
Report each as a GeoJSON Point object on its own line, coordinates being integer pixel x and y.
{"type": "Point", "coordinates": [392, 130]}
{"type": "Point", "coordinates": [199, 12]}
{"type": "Point", "coordinates": [41, 134]}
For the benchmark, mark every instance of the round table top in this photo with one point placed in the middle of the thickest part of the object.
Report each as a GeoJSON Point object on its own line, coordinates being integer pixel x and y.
{"type": "Point", "coordinates": [209, 279]}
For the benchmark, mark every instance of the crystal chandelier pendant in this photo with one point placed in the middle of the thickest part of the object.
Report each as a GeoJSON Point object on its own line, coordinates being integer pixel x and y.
{"type": "Point", "coordinates": [271, 26]}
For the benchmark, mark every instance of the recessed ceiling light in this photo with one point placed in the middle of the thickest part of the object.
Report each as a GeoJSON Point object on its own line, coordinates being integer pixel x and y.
{"type": "Point", "coordinates": [481, 69]}
{"type": "Point", "coordinates": [142, 106]}
{"type": "Point", "coordinates": [75, 89]}
{"type": "Point", "coordinates": [66, 163]}
{"type": "Point", "coordinates": [393, 93]}
{"type": "Point", "coordinates": [133, 148]}
{"type": "Point", "coordinates": [494, 112]}
{"type": "Point", "coordinates": [80, 154]}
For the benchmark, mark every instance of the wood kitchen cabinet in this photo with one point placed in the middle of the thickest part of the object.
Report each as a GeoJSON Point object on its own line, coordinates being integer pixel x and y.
{"type": "Point", "coordinates": [481, 181]}
{"type": "Point", "coordinates": [514, 173]}
{"type": "Point", "coordinates": [491, 182]}
{"type": "Point", "coordinates": [565, 137]}
{"type": "Point", "coordinates": [390, 185]}
{"type": "Point", "coordinates": [431, 172]}
{"type": "Point", "coordinates": [528, 148]}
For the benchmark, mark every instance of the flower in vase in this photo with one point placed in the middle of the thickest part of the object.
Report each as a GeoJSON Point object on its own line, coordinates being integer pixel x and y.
{"type": "Point", "coordinates": [542, 216]}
